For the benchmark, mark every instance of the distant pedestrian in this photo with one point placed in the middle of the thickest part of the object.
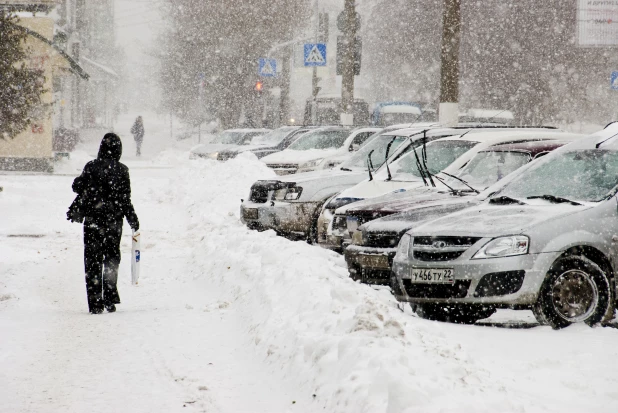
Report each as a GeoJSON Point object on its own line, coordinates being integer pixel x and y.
{"type": "Point", "coordinates": [138, 134]}
{"type": "Point", "coordinates": [103, 201]}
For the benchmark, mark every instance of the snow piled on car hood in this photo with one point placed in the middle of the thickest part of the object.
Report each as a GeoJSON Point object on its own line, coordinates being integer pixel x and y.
{"type": "Point", "coordinates": [489, 220]}
{"type": "Point", "coordinates": [347, 347]}
{"type": "Point", "coordinates": [298, 157]}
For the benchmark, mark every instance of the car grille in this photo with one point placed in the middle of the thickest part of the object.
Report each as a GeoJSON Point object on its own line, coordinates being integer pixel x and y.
{"type": "Point", "coordinates": [261, 190]}
{"type": "Point", "coordinates": [283, 168]}
{"type": "Point", "coordinates": [224, 156]}
{"type": "Point", "coordinates": [457, 290]}
{"type": "Point", "coordinates": [381, 240]}
{"type": "Point", "coordinates": [440, 248]}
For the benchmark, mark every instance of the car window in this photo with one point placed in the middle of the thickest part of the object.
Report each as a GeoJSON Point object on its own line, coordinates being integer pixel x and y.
{"type": "Point", "coordinates": [582, 175]}
{"type": "Point", "coordinates": [378, 146]}
{"type": "Point", "coordinates": [271, 138]}
{"type": "Point", "coordinates": [360, 139]}
{"type": "Point", "coordinates": [487, 168]}
{"type": "Point", "coordinates": [439, 155]}
{"type": "Point", "coordinates": [248, 137]}
{"type": "Point", "coordinates": [320, 140]}
{"type": "Point", "coordinates": [229, 138]}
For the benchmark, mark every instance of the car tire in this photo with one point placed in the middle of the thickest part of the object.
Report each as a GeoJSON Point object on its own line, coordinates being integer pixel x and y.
{"type": "Point", "coordinates": [458, 314]}
{"type": "Point", "coordinates": [575, 290]}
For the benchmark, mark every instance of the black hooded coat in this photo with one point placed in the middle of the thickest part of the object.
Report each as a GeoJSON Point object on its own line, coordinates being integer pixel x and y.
{"type": "Point", "coordinates": [104, 188]}
{"type": "Point", "coordinates": [103, 201]}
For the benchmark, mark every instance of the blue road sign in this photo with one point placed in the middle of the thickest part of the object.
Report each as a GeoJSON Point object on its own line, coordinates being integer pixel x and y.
{"type": "Point", "coordinates": [315, 54]}
{"type": "Point", "coordinates": [267, 67]}
{"type": "Point", "coordinates": [614, 81]}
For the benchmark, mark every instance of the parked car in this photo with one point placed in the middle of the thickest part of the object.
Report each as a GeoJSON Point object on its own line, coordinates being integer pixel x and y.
{"type": "Point", "coordinates": [545, 242]}
{"type": "Point", "coordinates": [329, 110]}
{"type": "Point", "coordinates": [263, 145]}
{"type": "Point", "coordinates": [323, 148]}
{"type": "Point", "coordinates": [383, 221]}
{"type": "Point", "coordinates": [290, 204]}
{"type": "Point", "coordinates": [228, 139]}
{"type": "Point", "coordinates": [448, 155]}
{"type": "Point", "coordinates": [390, 113]}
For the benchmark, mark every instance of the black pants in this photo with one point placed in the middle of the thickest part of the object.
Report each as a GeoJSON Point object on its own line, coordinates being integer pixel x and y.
{"type": "Point", "coordinates": [101, 259]}
{"type": "Point", "coordinates": [138, 143]}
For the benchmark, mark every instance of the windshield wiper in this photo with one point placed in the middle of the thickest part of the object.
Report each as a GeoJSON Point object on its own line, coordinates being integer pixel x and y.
{"type": "Point", "coordinates": [424, 157]}
{"type": "Point", "coordinates": [346, 169]}
{"type": "Point", "coordinates": [462, 181]}
{"type": "Point", "coordinates": [420, 168]}
{"type": "Point", "coordinates": [505, 200]}
{"type": "Point", "coordinates": [388, 149]}
{"type": "Point", "coordinates": [554, 199]}
{"type": "Point", "coordinates": [370, 165]}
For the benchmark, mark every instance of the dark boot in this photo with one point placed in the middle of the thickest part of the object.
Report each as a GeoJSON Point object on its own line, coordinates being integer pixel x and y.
{"type": "Point", "coordinates": [111, 308]}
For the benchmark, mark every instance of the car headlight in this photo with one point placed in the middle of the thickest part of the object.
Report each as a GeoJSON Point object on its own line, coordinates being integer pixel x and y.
{"type": "Point", "coordinates": [311, 164]}
{"type": "Point", "coordinates": [358, 238]}
{"type": "Point", "coordinates": [504, 247]}
{"type": "Point", "coordinates": [403, 248]}
{"type": "Point", "coordinates": [293, 193]}
{"type": "Point", "coordinates": [212, 155]}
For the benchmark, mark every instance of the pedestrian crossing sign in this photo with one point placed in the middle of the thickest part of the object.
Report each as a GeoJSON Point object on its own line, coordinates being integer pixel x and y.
{"type": "Point", "coordinates": [315, 54]}
{"type": "Point", "coordinates": [267, 67]}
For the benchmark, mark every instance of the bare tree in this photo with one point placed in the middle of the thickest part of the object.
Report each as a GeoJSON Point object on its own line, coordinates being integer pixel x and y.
{"type": "Point", "coordinates": [223, 41]}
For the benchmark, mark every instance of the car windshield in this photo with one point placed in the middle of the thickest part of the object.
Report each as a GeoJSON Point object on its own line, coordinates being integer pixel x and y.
{"type": "Point", "coordinates": [229, 138]}
{"type": "Point", "coordinates": [332, 139]}
{"type": "Point", "coordinates": [273, 138]}
{"type": "Point", "coordinates": [440, 154]}
{"type": "Point", "coordinates": [582, 175]}
{"type": "Point", "coordinates": [487, 168]}
{"type": "Point", "coordinates": [378, 146]}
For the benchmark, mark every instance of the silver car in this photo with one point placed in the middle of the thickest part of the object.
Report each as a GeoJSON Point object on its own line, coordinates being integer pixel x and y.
{"type": "Point", "coordinates": [547, 242]}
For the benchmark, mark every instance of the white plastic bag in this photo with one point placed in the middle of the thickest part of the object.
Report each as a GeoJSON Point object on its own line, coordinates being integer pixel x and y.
{"type": "Point", "coordinates": [135, 256]}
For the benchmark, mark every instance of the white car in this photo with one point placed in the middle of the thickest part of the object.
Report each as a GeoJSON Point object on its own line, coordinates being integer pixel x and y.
{"type": "Point", "coordinates": [226, 140]}
{"type": "Point", "coordinates": [323, 148]}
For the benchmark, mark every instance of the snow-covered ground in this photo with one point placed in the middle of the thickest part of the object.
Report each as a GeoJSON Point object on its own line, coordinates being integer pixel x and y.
{"type": "Point", "coordinates": [229, 320]}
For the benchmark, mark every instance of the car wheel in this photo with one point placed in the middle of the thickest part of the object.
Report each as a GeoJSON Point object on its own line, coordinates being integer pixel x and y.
{"type": "Point", "coordinates": [575, 290]}
{"type": "Point", "coordinates": [459, 314]}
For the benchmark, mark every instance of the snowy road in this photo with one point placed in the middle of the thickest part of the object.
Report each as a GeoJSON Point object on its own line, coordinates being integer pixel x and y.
{"type": "Point", "coordinates": [229, 320]}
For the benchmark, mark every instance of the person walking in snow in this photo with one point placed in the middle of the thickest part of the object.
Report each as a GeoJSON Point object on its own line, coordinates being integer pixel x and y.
{"type": "Point", "coordinates": [138, 134]}
{"type": "Point", "coordinates": [103, 201]}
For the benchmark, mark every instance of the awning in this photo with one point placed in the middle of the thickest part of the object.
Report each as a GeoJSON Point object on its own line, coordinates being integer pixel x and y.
{"type": "Point", "coordinates": [100, 68]}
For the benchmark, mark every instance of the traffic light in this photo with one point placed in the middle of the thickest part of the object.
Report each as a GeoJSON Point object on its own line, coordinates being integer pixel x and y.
{"type": "Point", "coordinates": [259, 86]}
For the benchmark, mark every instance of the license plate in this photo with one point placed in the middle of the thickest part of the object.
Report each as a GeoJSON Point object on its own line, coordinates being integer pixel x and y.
{"type": "Point", "coordinates": [250, 213]}
{"type": "Point", "coordinates": [432, 276]}
{"type": "Point", "coordinates": [374, 261]}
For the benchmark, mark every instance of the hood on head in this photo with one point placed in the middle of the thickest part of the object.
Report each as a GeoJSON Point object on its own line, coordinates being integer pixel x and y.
{"type": "Point", "coordinates": [111, 147]}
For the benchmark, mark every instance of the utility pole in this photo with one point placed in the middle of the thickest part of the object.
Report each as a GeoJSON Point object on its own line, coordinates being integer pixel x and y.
{"type": "Point", "coordinates": [284, 100]}
{"type": "Point", "coordinates": [314, 77]}
{"type": "Point", "coordinates": [347, 78]}
{"type": "Point", "coordinates": [449, 74]}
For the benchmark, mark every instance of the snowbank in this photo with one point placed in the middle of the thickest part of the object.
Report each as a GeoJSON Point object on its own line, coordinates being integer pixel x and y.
{"type": "Point", "coordinates": [349, 346]}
